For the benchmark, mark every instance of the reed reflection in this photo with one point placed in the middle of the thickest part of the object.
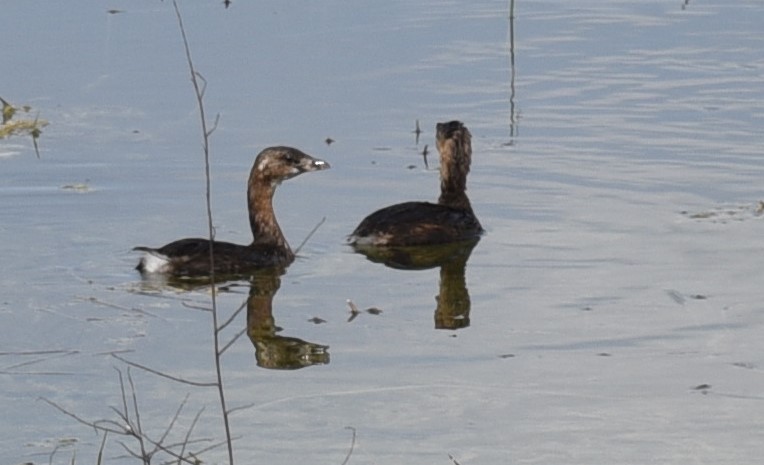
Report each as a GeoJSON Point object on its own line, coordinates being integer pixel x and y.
{"type": "Point", "coordinates": [513, 116]}
{"type": "Point", "coordinates": [272, 350]}
{"type": "Point", "coordinates": [453, 300]}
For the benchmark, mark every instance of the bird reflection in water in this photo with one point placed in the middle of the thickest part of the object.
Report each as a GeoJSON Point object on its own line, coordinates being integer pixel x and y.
{"type": "Point", "coordinates": [272, 350]}
{"type": "Point", "coordinates": [453, 299]}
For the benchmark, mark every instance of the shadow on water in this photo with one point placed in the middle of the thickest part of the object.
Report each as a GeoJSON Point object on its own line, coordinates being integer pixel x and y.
{"type": "Point", "coordinates": [453, 299]}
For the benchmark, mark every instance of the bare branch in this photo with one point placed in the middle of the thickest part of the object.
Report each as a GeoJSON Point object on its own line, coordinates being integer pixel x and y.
{"type": "Point", "coordinates": [131, 453]}
{"type": "Point", "coordinates": [352, 445]}
{"type": "Point", "coordinates": [188, 433]}
{"type": "Point", "coordinates": [453, 459]}
{"type": "Point", "coordinates": [214, 125]}
{"type": "Point", "coordinates": [123, 428]}
{"type": "Point", "coordinates": [310, 234]}
{"type": "Point", "coordinates": [227, 442]}
{"type": "Point", "coordinates": [199, 92]}
{"type": "Point", "coordinates": [36, 134]}
{"type": "Point", "coordinates": [233, 316]}
{"type": "Point", "coordinates": [125, 415]}
{"type": "Point", "coordinates": [134, 430]}
{"type": "Point", "coordinates": [125, 425]}
{"type": "Point", "coordinates": [242, 407]}
{"type": "Point", "coordinates": [53, 354]}
{"type": "Point", "coordinates": [134, 395]}
{"type": "Point", "coordinates": [196, 307]}
{"type": "Point", "coordinates": [230, 343]}
{"type": "Point", "coordinates": [171, 425]}
{"type": "Point", "coordinates": [164, 375]}
{"type": "Point", "coordinates": [77, 418]}
{"type": "Point", "coordinates": [99, 460]}
{"type": "Point", "coordinates": [137, 429]}
{"type": "Point", "coordinates": [118, 307]}
{"type": "Point", "coordinates": [203, 89]}
{"type": "Point", "coordinates": [52, 454]}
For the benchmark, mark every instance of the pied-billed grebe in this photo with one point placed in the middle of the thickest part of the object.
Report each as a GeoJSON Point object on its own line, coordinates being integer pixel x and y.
{"type": "Point", "coordinates": [425, 223]}
{"type": "Point", "coordinates": [269, 248]}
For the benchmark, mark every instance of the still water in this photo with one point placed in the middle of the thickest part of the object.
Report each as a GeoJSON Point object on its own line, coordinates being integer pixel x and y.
{"type": "Point", "coordinates": [613, 309]}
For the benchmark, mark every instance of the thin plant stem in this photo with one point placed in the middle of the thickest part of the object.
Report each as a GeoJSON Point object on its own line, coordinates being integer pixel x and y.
{"type": "Point", "coordinates": [233, 316]}
{"type": "Point", "coordinates": [206, 132]}
{"type": "Point", "coordinates": [99, 460]}
{"type": "Point", "coordinates": [162, 374]}
{"type": "Point", "coordinates": [129, 425]}
{"type": "Point", "coordinates": [310, 234]}
{"type": "Point", "coordinates": [188, 433]}
{"type": "Point", "coordinates": [234, 339]}
{"type": "Point", "coordinates": [352, 446]}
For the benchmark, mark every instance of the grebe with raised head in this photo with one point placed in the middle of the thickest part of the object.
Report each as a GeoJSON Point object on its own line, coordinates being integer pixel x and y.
{"type": "Point", "coordinates": [425, 223]}
{"type": "Point", "coordinates": [269, 247]}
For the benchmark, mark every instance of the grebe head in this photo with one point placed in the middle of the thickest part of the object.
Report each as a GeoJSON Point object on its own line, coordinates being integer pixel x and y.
{"type": "Point", "coordinates": [280, 163]}
{"type": "Point", "coordinates": [454, 143]}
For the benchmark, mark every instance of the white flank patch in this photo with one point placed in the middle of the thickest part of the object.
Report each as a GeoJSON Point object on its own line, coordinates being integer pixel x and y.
{"type": "Point", "coordinates": [155, 263]}
{"type": "Point", "coordinates": [371, 239]}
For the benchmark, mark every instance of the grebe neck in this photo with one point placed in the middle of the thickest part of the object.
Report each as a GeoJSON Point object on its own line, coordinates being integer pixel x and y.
{"type": "Point", "coordinates": [262, 219]}
{"type": "Point", "coordinates": [454, 143]}
{"type": "Point", "coordinates": [455, 199]}
{"type": "Point", "coordinates": [453, 183]}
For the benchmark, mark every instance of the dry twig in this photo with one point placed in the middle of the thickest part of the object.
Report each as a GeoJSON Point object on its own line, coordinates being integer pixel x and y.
{"type": "Point", "coordinates": [128, 425]}
{"type": "Point", "coordinates": [199, 91]}
{"type": "Point", "coordinates": [352, 445]}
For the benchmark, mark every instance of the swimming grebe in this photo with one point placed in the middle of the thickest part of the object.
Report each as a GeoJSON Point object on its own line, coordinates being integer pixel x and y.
{"type": "Point", "coordinates": [425, 223]}
{"type": "Point", "coordinates": [269, 248]}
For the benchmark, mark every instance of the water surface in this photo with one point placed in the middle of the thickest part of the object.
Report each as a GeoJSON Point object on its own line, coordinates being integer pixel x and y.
{"type": "Point", "coordinates": [615, 311]}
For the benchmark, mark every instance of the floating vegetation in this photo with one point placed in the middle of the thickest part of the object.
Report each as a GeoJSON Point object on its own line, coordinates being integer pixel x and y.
{"type": "Point", "coordinates": [746, 365]}
{"type": "Point", "coordinates": [14, 126]}
{"type": "Point", "coordinates": [730, 213]}
{"type": "Point", "coordinates": [703, 388]}
{"type": "Point", "coordinates": [76, 187]}
{"type": "Point", "coordinates": [354, 311]}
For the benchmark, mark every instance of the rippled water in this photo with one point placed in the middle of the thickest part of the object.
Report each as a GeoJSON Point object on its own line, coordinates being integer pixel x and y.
{"type": "Point", "coordinates": [614, 304]}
